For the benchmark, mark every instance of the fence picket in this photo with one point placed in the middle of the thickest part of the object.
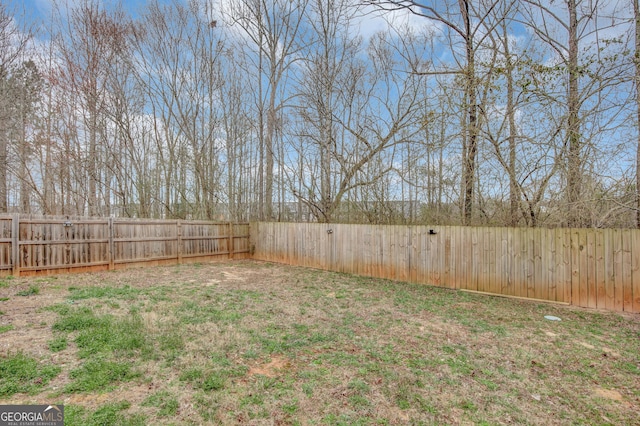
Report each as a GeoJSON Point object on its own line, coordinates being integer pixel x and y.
{"type": "Point", "coordinates": [585, 267]}
{"type": "Point", "coordinates": [47, 245]}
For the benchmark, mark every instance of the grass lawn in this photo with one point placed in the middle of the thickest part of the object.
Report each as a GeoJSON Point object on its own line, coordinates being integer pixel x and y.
{"type": "Point", "coordinates": [257, 343]}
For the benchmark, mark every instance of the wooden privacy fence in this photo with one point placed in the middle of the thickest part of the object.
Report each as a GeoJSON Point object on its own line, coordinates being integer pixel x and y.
{"type": "Point", "coordinates": [30, 246]}
{"type": "Point", "coordinates": [595, 268]}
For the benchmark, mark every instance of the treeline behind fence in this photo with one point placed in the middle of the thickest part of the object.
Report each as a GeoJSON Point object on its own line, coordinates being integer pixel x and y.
{"type": "Point", "coordinates": [595, 268]}
{"type": "Point", "coordinates": [46, 245]}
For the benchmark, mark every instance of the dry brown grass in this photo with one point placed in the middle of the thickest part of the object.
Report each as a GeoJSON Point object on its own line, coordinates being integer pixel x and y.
{"type": "Point", "coordinates": [257, 343]}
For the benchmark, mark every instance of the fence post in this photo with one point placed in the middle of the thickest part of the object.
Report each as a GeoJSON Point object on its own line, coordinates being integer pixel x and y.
{"type": "Point", "coordinates": [230, 240]}
{"type": "Point", "coordinates": [179, 235]}
{"type": "Point", "coordinates": [15, 244]}
{"type": "Point", "coordinates": [111, 245]}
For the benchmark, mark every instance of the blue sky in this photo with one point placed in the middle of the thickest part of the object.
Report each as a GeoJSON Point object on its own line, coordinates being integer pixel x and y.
{"type": "Point", "coordinates": [39, 11]}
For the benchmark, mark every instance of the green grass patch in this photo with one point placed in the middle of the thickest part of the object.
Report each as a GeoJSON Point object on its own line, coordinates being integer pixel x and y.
{"type": "Point", "coordinates": [171, 339]}
{"type": "Point", "coordinates": [103, 292]}
{"type": "Point", "coordinates": [108, 414]}
{"type": "Point", "coordinates": [6, 327]}
{"type": "Point", "coordinates": [212, 382]}
{"type": "Point", "coordinates": [105, 333]}
{"type": "Point", "coordinates": [191, 374]}
{"type": "Point", "coordinates": [166, 403]}
{"type": "Point", "coordinates": [5, 281]}
{"type": "Point", "coordinates": [99, 374]}
{"type": "Point", "coordinates": [120, 336]}
{"type": "Point", "coordinates": [191, 312]}
{"type": "Point", "coordinates": [20, 373]}
{"type": "Point", "coordinates": [630, 367]}
{"type": "Point", "coordinates": [75, 319]}
{"type": "Point", "coordinates": [58, 344]}
{"type": "Point", "coordinates": [58, 308]}
{"type": "Point", "coordinates": [31, 291]}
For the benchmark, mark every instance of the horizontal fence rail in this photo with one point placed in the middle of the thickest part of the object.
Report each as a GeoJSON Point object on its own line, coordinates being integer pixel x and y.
{"type": "Point", "coordinates": [595, 268]}
{"type": "Point", "coordinates": [47, 245]}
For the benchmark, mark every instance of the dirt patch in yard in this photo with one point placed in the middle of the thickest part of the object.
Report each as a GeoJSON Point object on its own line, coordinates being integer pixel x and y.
{"type": "Point", "coordinates": [609, 394]}
{"type": "Point", "coordinates": [273, 368]}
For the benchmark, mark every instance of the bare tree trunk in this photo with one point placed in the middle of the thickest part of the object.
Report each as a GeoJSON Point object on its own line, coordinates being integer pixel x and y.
{"type": "Point", "coordinates": [514, 189]}
{"type": "Point", "coordinates": [261, 137]}
{"type": "Point", "coordinates": [268, 150]}
{"type": "Point", "coordinates": [444, 13]}
{"type": "Point", "coordinates": [3, 172]}
{"type": "Point", "coordinates": [5, 124]}
{"type": "Point", "coordinates": [514, 192]}
{"type": "Point", "coordinates": [574, 172]}
{"type": "Point", "coordinates": [23, 153]}
{"type": "Point", "coordinates": [48, 204]}
{"type": "Point", "coordinates": [636, 12]}
{"type": "Point", "coordinates": [92, 199]}
{"type": "Point", "coordinates": [471, 151]}
{"type": "Point", "coordinates": [13, 42]}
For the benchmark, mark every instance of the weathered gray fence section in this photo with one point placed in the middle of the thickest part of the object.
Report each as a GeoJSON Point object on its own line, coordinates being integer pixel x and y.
{"type": "Point", "coordinates": [47, 245]}
{"type": "Point", "coordinates": [596, 268]}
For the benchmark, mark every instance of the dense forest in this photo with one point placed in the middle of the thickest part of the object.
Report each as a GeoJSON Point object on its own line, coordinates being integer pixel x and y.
{"type": "Point", "coordinates": [473, 112]}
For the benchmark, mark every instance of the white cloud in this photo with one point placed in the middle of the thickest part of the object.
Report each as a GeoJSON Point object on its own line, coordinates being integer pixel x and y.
{"type": "Point", "coordinates": [367, 21]}
{"type": "Point", "coordinates": [374, 20]}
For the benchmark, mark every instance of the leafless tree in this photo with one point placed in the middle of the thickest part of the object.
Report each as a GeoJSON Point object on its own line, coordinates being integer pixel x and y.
{"type": "Point", "coordinates": [467, 20]}
{"type": "Point", "coordinates": [178, 49]}
{"type": "Point", "coordinates": [272, 39]}
{"type": "Point", "coordinates": [87, 45]}
{"type": "Point", "coordinates": [26, 85]}
{"type": "Point", "coordinates": [355, 110]}
{"type": "Point", "coordinates": [589, 62]}
{"type": "Point", "coordinates": [636, 14]}
{"type": "Point", "coordinates": [474, 112]}
{"type": "Point", "coordinates": [13, 43]}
